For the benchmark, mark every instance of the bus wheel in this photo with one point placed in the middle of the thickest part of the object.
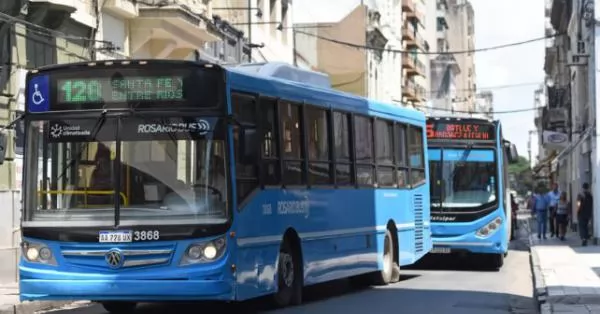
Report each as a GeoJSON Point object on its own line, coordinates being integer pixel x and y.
{"type": "Point", "coordinates": [289, 276]}
{"type": "Point", "coordinates": [390, 267]}
{"type": "Point", "coordinates": [497, 260]}
{"type": "Point", "coordinates": [119, 307]}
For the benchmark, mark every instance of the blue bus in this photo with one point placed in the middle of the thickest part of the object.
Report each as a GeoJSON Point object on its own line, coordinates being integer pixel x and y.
{"type": "Point", "coordinates": [470, 194]}
{"type": "Point", "coordinates": [156, 180]}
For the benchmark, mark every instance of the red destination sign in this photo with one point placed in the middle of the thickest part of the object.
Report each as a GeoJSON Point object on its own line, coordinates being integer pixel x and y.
{"type": "Point", "coordinates": [460, 131]}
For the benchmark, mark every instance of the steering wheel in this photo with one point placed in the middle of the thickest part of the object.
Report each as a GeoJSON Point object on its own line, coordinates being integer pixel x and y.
{"type": "Point", "coordinates": [213, 190]}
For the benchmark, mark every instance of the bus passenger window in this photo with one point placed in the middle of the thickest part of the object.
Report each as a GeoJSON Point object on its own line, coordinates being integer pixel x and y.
{"type": "Point", "coordinates": [363, 143]}
{"type": "Point", "coordinates": [291, 126]}
{"type": "Point", "coordinates": [318, 146]}
{"type": "Point", "coordinates": [343, 169]}
{"type": "Point", "coordinates": [415, 150]}
{"type": "Point", "coordinates": [269, 128]}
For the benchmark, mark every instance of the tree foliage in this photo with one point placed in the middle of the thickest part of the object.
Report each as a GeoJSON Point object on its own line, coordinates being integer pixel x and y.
{"type": "Point", "coordinates": [521, 176]}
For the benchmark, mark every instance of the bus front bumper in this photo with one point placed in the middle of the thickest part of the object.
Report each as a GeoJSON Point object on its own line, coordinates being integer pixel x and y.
{"type": "Point", "coordinates": [54, 285]}
{"type": "Point", "coordinates": [125, 290]}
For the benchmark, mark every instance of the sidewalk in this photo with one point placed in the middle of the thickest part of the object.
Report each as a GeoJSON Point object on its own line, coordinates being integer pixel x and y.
{"type": "Point", "coordinates": [9, 302]}
{"type": "Point", "coordinates": [565, 274]}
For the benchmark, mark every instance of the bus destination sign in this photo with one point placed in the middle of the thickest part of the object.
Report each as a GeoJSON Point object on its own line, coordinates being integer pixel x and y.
{"type": "Point", "coordinates": [446, 130]}
{"type": "Point", "coordinates": [119, 90]}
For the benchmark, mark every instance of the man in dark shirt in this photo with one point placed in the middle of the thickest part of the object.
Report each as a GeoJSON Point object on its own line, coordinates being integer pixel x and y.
{"type": "Point", "coordinates": [584, 213]}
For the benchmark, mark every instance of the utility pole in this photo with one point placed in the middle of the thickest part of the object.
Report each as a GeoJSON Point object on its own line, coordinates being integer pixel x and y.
{"type": "Point", "coordinates": [250, 30]}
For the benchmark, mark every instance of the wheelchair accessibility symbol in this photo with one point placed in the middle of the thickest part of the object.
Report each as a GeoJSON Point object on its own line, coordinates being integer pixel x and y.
{"type": "Point", "coordinates": [36, 97]}
{"type": "Point", "coordinates": [38, 91]}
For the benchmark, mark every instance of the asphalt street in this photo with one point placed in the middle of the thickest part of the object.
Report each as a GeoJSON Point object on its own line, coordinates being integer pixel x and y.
{"type": "Point", "coordinates": [457, 287]}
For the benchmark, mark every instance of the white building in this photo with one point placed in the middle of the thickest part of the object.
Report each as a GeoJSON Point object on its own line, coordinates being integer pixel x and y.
{"type": "Point", "coordinates": [484, 104]}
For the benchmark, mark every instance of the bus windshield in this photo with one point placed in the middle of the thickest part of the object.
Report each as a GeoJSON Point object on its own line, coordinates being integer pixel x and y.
{"type": "Point", "coordinates": [463, 180]}
{"type": "Point", "coordinates": [171, 170]}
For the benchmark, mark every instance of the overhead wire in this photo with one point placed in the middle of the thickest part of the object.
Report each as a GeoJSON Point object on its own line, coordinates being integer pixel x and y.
{"type": "Point", "coordinates": [416, 52]}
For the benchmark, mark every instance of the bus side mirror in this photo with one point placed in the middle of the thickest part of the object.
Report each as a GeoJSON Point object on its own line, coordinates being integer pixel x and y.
{"type": "Point", "coordinates": [513, 155]}
{"type": "Point", "coordinates": [249, 145]}
{"type": "Point", "coordinates": [3, 142]}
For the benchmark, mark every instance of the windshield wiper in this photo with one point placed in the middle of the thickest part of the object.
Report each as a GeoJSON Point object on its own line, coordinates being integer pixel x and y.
{"type": "Point", "coordinates": [97, 127]}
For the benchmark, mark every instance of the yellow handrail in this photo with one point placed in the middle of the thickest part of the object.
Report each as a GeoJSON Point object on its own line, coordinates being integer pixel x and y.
{"type": "Point", "coordinates": [86, 193]}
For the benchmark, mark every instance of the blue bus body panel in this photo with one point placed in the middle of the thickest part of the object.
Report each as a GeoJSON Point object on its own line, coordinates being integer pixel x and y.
{"type": "Point", "coordinates": [342, 230]}
{"type": "Point", "coordinates": [462, 235]}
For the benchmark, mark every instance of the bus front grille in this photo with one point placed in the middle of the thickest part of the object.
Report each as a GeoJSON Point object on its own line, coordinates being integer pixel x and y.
{"type": "Point", "coordinates": [418, 207]}
{"type": "Point", "coordinates": [103, 257]}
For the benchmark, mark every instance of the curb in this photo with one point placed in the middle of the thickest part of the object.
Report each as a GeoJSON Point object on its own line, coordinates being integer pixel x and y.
{"type": "Point", "coordinates": [540, 291]}
{"type": "Point", "coordinates": [32, 307]}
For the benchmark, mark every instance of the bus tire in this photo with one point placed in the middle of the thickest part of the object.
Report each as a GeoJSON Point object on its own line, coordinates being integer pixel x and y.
{"type": "Point", "coordinates": [385, 275]}
{"type": "Point", "coordinates": [119, 307]}
{"type": "Point", "coordinates": [289, 276]}
{"type": "Point", "coordinates": [497, 260]}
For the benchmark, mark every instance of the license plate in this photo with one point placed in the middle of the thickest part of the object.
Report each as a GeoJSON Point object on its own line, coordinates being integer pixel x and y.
{"type": "Point", "coordinates": [440, 250]}
{"type": "Point", "coordinates": [115, 236]}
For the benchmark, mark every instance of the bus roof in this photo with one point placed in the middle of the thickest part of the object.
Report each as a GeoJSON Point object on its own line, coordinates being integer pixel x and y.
{"type": "Point", "coordinates": [298, 91]}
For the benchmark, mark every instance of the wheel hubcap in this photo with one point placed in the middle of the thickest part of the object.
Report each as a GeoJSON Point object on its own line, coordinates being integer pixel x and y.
{"type": "Point", "coordinates": [287, 268]}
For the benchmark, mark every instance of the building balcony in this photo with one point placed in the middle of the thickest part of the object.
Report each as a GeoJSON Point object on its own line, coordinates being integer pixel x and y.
{"type": "Point", "coordinates": [408, 90]}
{"type": "Point", "coordinates": [408, 62]}
{"type": "Point", "coordinates": [421, 93]}
{"type": "Point", "coordinates": [123, 8]}
{"type": "Point", "coordinates": [408, 5]}
{"type": "Point", "coordinates": [417, 67]}
{"type": "Point", "coordinates": [417, 16]}
{"type": "Point", "coordinates": [171, 32]}
{"type": "Point", "coordinates": [418, 42]}
{"type": "Point", "coordinates": [408, 32]}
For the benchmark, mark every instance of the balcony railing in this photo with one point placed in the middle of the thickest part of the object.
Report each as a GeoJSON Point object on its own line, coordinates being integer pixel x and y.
{"type": "Point", "coordinates": [408, 61]}
{"type": "Point", "coordinates": [408, 31]}
{"type": "Point", "coordinates": [408, 90]}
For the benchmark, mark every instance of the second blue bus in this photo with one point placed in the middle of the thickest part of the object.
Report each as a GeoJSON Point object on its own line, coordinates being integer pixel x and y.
{"type": "Point", "coordinates": [470, 196]}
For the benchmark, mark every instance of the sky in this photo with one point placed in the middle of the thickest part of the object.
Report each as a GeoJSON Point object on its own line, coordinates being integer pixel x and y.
{"type": "Point", "coordinates": [496, 23]}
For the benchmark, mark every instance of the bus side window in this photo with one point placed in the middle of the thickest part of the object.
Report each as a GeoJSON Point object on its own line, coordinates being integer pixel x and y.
{"type": "Point", "coordinates": [246, 176]}
{"type": "Point", "coordinates": [343, 157]}
{"type": "Point", "coordinates": [291, 141]}
{"type": "Point", "coordinates": [400, 150]}
{"type": "Point", "coordinates": [363, 143]}
{"type": "Point", "coordinates": [319, 156]}
{"type": "Point", "coordinates": [269, 147]}
{"type": "Point", "coordinates": [384, 153]}
{"type": "Point", "coordinates": [416, 158]}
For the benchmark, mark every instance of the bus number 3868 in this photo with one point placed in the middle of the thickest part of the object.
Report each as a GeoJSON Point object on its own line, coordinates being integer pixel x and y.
{"type": "Point", "coordinates": [150, 235]}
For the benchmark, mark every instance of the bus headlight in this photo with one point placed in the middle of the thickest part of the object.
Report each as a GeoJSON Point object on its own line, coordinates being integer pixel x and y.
{"type": "Point", "coordinates": [204, 252]}
{"type": "Point", "coordinates": [37, 253]}
{"type": "Point", "coordinates": [490, 228]}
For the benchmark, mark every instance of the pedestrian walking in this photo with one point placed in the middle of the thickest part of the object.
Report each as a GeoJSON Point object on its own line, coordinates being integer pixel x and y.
{"type": "Point", "coordinates": [585, 205]}
{"type": "Point", "coordinates": [553, 197]}
{"type": "Point", "coordinates": [563, 211]}
{"type": "Point", "coordinates": [540, 210]}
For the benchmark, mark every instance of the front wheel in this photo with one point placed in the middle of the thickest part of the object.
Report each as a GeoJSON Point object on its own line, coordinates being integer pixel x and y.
{"type": "Point", "coordinates": [119, 307]}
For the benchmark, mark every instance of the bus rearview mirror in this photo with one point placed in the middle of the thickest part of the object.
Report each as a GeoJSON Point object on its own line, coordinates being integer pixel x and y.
{"type": "Point", "coordinates": [513, 155]}
{"type": "Point", "coordinates": [3, 141]}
